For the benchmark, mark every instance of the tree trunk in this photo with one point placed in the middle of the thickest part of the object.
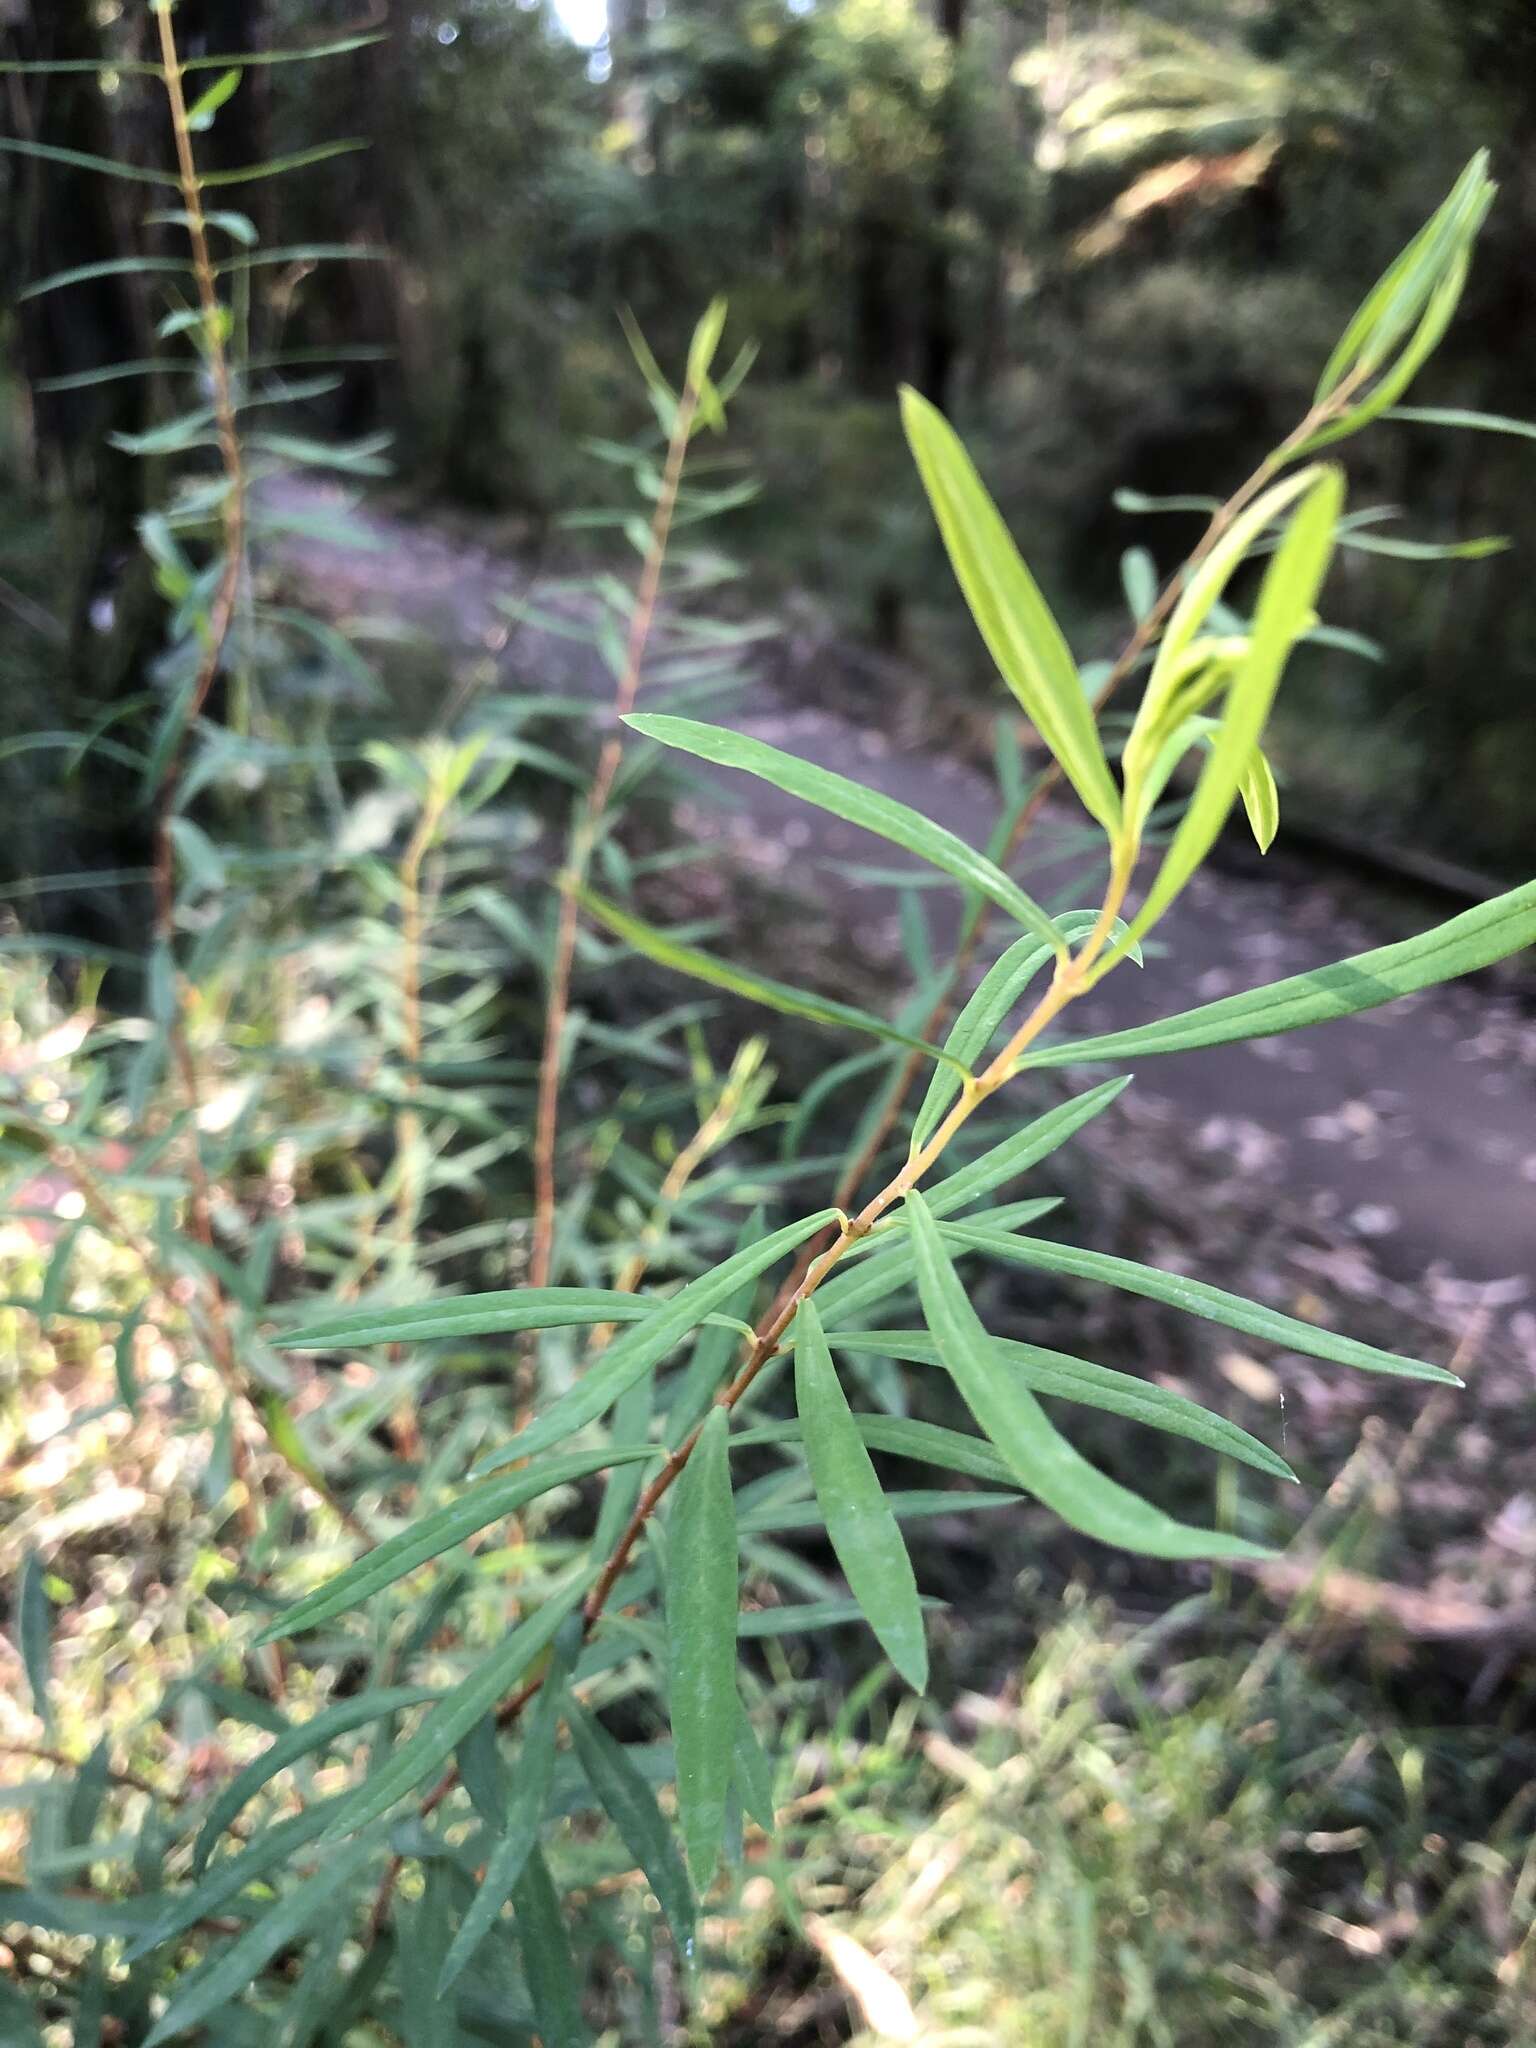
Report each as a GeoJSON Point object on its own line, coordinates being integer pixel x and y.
{"type": "Point", "coordinates": [940, 325]}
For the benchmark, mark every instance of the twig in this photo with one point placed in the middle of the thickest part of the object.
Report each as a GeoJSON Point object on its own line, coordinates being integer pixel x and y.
{"type": "Point", "coordinates": [216, 637]}
{"type": "Point", "coordinates": [584, 840]}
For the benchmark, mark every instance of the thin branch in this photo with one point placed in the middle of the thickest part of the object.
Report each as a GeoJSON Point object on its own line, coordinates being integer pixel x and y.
{"type": "Point", "coordinates": [584, 840]}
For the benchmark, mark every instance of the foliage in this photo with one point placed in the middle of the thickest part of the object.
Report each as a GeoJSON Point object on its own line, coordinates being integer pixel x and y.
{"type": "Point", "coordinates": [522, 1685]}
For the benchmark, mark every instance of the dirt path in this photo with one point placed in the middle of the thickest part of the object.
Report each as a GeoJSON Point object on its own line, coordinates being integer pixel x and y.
{"type": "Point", "coordinates": [1411, 1130]}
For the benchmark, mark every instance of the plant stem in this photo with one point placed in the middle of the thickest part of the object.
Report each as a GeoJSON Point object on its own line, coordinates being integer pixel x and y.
{"type": "Point", "coordinates": [215, 639]}
{"type": "Point", "coordinates": [584, 839]}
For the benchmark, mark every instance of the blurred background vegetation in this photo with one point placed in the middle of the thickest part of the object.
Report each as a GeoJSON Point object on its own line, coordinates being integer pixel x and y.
{"type": "Point", "coordinates": [1115, 243]}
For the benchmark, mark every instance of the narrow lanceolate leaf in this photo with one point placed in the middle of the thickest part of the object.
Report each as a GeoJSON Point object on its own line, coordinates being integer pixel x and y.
{"type": "Point", "coordinates": [1457, 416]}
{"type": "Point", "coordinates": [1040, 1457]}
{"type": "Point", "coordinates": [757, 988]}
{"type": "Point", "coordinates": [34, 1630]}
{"type": "Point", "coordinates": [873, 1279]}
{"type": "Point", "coordinates": [214, 1989]}
{"type": "Point", "coordinates": [496, 1313]}
{"type": "Point", "coordinates": [1196, 1298]}
{"type": "Point", "coordinates": [1284, 612]}
{"type": "Point", "coordinates": [754, 1774]}
{"type": "Point", "coordinates": [648, 1342]}
{"type": "Point", "coordinates": [977, 1024]}
{"type": "Point", "coordinates": [866, 808]}
{"type": "Point", "coordinates": [520, 1828]}
{"type": "Point", "coordinates": [548, 1965]}
{"type": "Point", "coordinates": [1058, 1375]}
{"type": "Point", "coordinates": [860, 1526]}
{"type": "Point", "coordinates": [1010, 613]}
{"type": "Point", "coordinates": [1475, 939]}
{"type": "Point", "coordinates": [1400, 294]}
{"type": "Point", "coordinates": [310, 1736]}
{"type": "Point", "coordinates": [701, 1642]}
{"type": "Point", "coordinates": [624, 1795]}
{"type": "Point", "coordinates": [1026, 1148]}
{"type": "Point", "coordinates": [454, 1715]}
{"type": "Point", "coordinates": [439, 1531]}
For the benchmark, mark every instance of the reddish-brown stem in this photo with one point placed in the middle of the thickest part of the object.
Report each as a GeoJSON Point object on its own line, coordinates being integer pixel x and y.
{"type": "Point", "coordinates": [584, 839]}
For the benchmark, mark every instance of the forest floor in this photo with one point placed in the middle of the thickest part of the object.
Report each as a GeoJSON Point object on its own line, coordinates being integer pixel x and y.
{"type": "Point", "coordinates": [1410, 1131]}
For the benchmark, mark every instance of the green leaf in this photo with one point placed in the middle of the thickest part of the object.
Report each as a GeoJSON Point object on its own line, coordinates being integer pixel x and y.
{"type": "Point", "coordinates": [758, 988]}
{"type": "Point", "coordinates": [34, 1631]}
{"type": "Point", "coordinates": [628, 1801]}
{"type": "Point", "coordinates": [860, 1526]}
{"type": "Point", "coordinates": [470, 1315]}
{"type": "Point", "coordinates": [454, 1715]}
{"type": "Point", "coordinates": [114, 266]}
{"type": "Point", "coordinates": [548, 1965]}
{"type": "Point", "coordinates": [434, 1533]}
{"type": "Point", "coordinates": [1291, 584]}
{"type": "Point", "coordinates": [977, 1024]}
{"type": "Point", "coordinates": [701, 1640]}
{"type": "Point", "coordinates": [866, 808]}
{"type": "Point", "coordinates": [1040, 1457]}
{"type": "Point", "coordinates": [649, 1342]}
{"type": "Point", "coordinates": [1476, 549]}
{"type": "Point", "coordinates": [1459, 416]}
{"type": "Point", "coordinates": [519, 1828]}
{"type": "Point", "coordinates": [51, 153]}
{"type": "Point", "coordinates": [200, 115]}
{"type": "Point", "coordinates": [232, 1876]}
{"type": "Point", "coordinates": [1196, 1298]}
{"type": "Point", "coordinates": [234, 1969]}
{"type": "Point", "coordinates": [906, 1504]}
{"type": "Point", "coordinates": [278, 166]}
{"type": "Point", "coordinates": [300, 1741]}
{"type": "Point", "coordinates": [1010, 613]}
{"type": "Point", "coordinates": [800, 1619]}
{"type": "Point", "coordinates": [1053, 1373]}
{"type": "Point", "coordinates": [1396, 300]}
{"type": "Point", "coordinates": [1492, 931]}
{"type": "Point", "coordinates": [754, 1774]}
{"type": "Point", "coordinates": [1026, 1148]}
{"type": "Point", "coordinates": [429, 2015]}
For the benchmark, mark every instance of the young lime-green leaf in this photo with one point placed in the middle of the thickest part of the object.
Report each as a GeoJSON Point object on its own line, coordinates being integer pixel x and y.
{"type": "Point", "coordinates": [627, 1799]}
{"type": "Point", "coordinates": [200, 115]}
{"type": "Point", "coordinates": [758, 988]}
{"type": "Point", "coordinates": [1041, 1458]}
{"type": "Point", "coordinates": [548, 1965]}
{"type": "Point", "coordinates": [432, 1534]}
{"type": "Point", "coordinates": [519, 1835]}
{"type": "Point", "coordinates": [866, 808]}
{"type": "Point", "coordinates": [1390, 387]}
{"type": "Point", "coordinates": [1010, 613]}
{"type": "Point", "coordinates": [305, 1739]}
{"type": "Point", "coordinates": [649, 1342]}
{"type": "Point", "coordinates": [1291, 584]}
{"type": "Point", "coordinates": [1492, 931]}
{"type": "Point", "coordinates": [860, 1526]}
{"type": "Point", "coordinates": [430, 1747]}
{"type": "Point", "coordinates": [701, 1639]}
{"type": "Point", "coordinates": [1397, 298]}
{"type": "Point", "coordinates": [231, 1971]}
{"type": "Point", "coordinates": [1185, 651]}
{"type": "Point", "coordinates": [1196, 1298]}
